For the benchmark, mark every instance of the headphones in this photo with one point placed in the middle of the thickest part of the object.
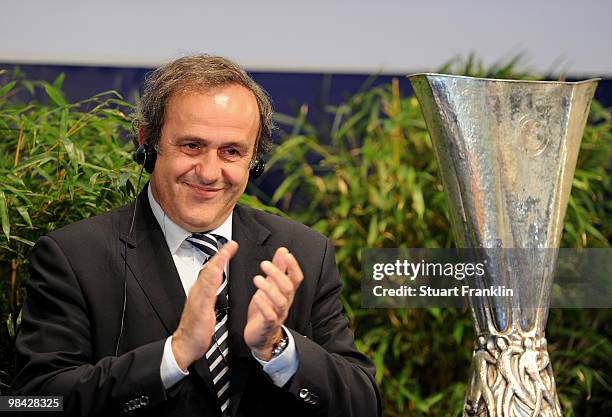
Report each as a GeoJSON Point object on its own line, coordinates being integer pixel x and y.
{"type": "Point", "coordinates": [146, 155]}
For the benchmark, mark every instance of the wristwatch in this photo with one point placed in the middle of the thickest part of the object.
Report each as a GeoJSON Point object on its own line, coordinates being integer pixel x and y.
{"type": "Point", "coordinates": [279, 346]}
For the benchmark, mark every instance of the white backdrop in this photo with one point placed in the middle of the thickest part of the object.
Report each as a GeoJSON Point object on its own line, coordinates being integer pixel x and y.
{"type": "Point", "coordinates": [391, 36]}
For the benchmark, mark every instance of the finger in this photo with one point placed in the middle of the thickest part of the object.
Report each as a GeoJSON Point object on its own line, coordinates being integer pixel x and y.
{"type": "Point", "coordinates": [265, 307]}
{"type": "Point", "coordinates": [279, 301]}
{"type": "Point", "coordinates": [211, 275]}
{"type": "Point", "coordinates": [209, 279]}
{"type": "Point", "coordinates": [279, 259]}
{"type": "Point", "coordinates": [279, 277]}
{"type": "Point", "coordinates": [294, 272]}
{"type": "Point", "coordinates": [222, 257]}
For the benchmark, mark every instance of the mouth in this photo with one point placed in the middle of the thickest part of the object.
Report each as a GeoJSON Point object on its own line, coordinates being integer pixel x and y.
{"type": "Point", "coordinates": [204, 191]}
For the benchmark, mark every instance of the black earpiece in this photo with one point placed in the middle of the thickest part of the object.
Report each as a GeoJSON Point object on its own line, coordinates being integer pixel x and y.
{"type": "Point", "coordinates": [258, 168]}
{"type": "Point", "coordinates": [146, 155]}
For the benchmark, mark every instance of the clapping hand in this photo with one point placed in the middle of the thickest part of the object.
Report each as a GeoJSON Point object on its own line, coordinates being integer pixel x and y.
{"type": "Point", "coordinates": [270, 305]}
{"type": "Point", "coordinates": [193, 336]}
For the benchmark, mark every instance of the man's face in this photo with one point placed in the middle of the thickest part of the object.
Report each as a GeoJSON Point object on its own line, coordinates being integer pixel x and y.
{"type": "Point", "coordinates": [206, 145]}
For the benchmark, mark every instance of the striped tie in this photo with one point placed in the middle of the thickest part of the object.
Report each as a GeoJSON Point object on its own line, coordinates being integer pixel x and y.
{"type": "Point", "coordinates": [217, 354]}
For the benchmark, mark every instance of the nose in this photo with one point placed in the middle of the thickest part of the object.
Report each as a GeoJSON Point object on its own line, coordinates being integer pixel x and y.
{"type": "Point", "coordinates": [208, 168]}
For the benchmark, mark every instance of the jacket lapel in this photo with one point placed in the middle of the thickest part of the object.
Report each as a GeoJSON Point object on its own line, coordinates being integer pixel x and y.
{"type": "Point", "coordinates": [152, 265]}
{"type": "Point", "coordinates": [251, 237]}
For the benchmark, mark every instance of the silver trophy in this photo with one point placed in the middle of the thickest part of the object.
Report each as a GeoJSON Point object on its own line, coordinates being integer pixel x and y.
{"type": "Point", "coordinates": [507, 152]}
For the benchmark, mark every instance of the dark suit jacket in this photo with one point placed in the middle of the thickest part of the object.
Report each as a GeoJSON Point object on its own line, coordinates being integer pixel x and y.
{"type": "Point", "coordinates": [72, 315]}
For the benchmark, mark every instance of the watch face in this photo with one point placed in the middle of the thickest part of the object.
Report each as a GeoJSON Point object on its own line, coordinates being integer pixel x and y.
{"type": "Point", "coordinates": [280, 346]}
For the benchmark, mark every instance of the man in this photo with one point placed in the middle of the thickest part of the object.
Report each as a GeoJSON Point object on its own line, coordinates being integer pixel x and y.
{"type": "Point", "coordinates": [142, 310]}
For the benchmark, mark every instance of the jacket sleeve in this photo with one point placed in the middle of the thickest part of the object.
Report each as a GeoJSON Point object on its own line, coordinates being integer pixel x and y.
{"type": "Point", "coordinates": [333, 377]}
{"type": "Point", "coordinates": [54, 347]}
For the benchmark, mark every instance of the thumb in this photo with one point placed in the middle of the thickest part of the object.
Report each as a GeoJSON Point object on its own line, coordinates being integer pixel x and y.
{"type": "Point", "coordinates": [212, 273]}
{"type": "Point", "coordinates": [210, 278]}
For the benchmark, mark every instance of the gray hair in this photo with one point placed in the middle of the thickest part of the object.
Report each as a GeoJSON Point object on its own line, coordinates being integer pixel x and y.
{"type": "Point", "coordinates": [197, 73]}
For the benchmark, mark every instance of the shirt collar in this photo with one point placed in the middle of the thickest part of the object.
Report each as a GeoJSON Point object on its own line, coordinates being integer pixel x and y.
{"type": "Point", "coordinates": [175, 235]}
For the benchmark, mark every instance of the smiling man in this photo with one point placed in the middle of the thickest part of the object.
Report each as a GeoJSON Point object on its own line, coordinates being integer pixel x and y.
{"type": "Point", "coordinates": [208, 143]}
{"type": "Point", "coordinates": [185, 303]}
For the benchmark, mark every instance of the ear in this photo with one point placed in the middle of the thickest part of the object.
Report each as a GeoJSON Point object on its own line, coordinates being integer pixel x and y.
{"type": "Point", "coordinates": [142, 136]}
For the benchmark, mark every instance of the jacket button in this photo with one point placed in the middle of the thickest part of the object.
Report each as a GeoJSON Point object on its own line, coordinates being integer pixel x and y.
{"type": "Point", "coordinates": [304, 394]}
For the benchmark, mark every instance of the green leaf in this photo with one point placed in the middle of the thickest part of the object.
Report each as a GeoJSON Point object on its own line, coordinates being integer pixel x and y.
{"type": "Point", "coordinates": [286, 186]}
{"type": "Point", "coordinates": [418, 203]}
{"type": "Point", "coordinates": [10, 326]}
{"type": "Point", "coordinates": [40, 171]}
{"type": "Point", "coordinates": [586, 377]}
{"type": "Point", "coordinates": [372, 232]}
{"type": "Point", "coordinates": [436, 312]}
{"type": "Point", "coordinates": [25, 215]}
{"type": "Point", "coordinates": [596, 233]}
{"type": "Point", "coordinates": [22, 240]}
{"type": "Point", "coordinates": [29, 85]}
{"type": "Point", "coordinates": [123, 178]}
{"type": "Point", "coordinates": [458, 333]}
{"type": "Point", "coordinates": [426, 405]}
{"type": "Point", "coordinates": [6, 88]}
{"type": "Point", "coordinates": [72, 152]}
{"type": "Point", "coordinates": [93, 178]}
{"type": "Point", "coordinates": [284, 149]}
{"type": "Point", "coordinates": [16, 180]}
{"type": "Point", "coordinates": [4, 216]}
{"type": "Point", "coordinates": [340, 229]}
{"type": "Point", "coordinates": [59, 81]}
{"type": "Point", "coordinates": [55, 95]}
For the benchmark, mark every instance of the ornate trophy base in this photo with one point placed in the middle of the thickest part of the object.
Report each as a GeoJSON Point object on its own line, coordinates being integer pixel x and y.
{"type": "Point", "coordinates": [511, 376]}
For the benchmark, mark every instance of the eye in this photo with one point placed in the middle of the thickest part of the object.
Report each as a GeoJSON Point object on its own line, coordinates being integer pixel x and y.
{"type": "Point", "coordinates": [230, 153]}
{"type": "Point", "coordinates": [191, 148]}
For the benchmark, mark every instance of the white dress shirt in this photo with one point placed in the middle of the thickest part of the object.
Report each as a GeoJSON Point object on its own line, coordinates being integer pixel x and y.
{"type": "Point", "coordinates": [189, 261]}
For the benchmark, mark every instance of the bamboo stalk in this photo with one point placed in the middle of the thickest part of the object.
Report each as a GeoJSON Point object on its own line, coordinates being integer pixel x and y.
{"type": "Point", "coordinates": [12, 284]}
{"type": "Point", "coordinates": [19, 143]}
